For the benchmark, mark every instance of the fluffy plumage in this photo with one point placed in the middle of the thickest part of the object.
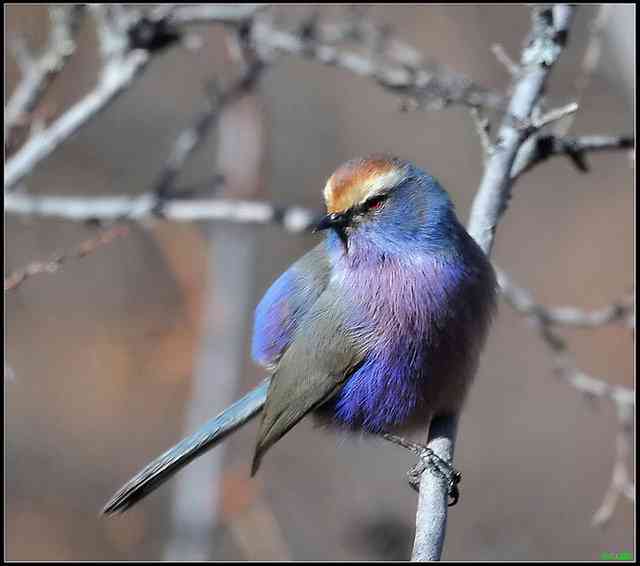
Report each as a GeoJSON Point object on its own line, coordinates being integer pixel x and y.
{"type": "Point", "coordinates": [378, 328]}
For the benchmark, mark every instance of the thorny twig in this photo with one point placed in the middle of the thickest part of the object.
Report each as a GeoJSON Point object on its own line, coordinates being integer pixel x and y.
{"type": "Point", "coordinates": [15, 279]}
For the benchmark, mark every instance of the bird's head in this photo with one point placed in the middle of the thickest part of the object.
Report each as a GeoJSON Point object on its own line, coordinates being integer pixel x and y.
{"type": "Point", "coordinates": [386, 202]}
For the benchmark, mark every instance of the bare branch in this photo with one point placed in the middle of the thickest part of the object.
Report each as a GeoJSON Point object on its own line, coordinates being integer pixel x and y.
{"type": "Point", "coordinates": [409, 77]}
{"type": "Point", "coordinates": [548, 37]}
{"type": "Point", "coordinates": [192, 138]}
{"type": "Point", "coordinates": [113, 82]}
{"type": "Point", "coordinates": [554, 115]}
{"type": "Point", "coordinates": [522, 301]}
{"type": "Point", "coordinates": [483, 128]}
{"type": "Point", "coordinates": [112, 24]}
{"type": "Point", "coordinates": [433, 499]}
{"type": "Point", "coordinates": [621, 484]}
{"type": "Point", "coordinates": [294, 219]}
{"type": "Point", "coordinates": [507, 62]}
{"type": "Point", "coordinates": [39, 72]}
{"type": "Point", "coordinates": [87, 247]}
{"type": "Point", "coordinates": [149, 206]}
{"type": "Point", "coordinates": [22, 53]}
{"type": "Point", "coordinates": [212, 13]}
{"type": "Point", "coordinates": [121, 66]}
{"type": "Point", "coordinates": [128, 40]}
{"type": "Point", "coordinates": [544, 319]}
{"type": "Point", "coordinates": [127, 43]}
{"type": "Point", "coordinates": [541, 148]}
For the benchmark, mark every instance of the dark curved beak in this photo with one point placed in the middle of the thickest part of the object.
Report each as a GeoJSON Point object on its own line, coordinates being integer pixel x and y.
{"type": "Point", "coordinates": [333, 220]}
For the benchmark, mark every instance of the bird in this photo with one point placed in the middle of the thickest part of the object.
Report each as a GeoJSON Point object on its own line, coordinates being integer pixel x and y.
{"type": "Point", "coordinates": [376, 330]}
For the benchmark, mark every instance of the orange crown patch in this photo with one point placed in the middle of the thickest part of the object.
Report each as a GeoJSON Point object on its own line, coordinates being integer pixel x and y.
{"type": "Point", "coordinates": [359, 179]}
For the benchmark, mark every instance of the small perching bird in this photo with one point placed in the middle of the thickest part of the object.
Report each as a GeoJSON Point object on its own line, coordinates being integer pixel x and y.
{"type": "Point", "coordinates": [377, 329]}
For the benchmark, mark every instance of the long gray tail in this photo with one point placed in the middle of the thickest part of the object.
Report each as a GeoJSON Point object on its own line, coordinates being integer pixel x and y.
{"type": "Point", "coordinates": [162, 468]}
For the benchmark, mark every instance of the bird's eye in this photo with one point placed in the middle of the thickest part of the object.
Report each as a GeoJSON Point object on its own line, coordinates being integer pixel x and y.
{"type": "Point", "coordinates": [376, 202]}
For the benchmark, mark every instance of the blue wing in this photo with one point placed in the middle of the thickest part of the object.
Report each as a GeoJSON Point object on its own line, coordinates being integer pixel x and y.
{"type": "Point", "coordinates": [285, 303]}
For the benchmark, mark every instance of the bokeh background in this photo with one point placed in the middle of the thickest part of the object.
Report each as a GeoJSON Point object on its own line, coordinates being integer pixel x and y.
{"type": "Point", "coordinates": [104, 351]}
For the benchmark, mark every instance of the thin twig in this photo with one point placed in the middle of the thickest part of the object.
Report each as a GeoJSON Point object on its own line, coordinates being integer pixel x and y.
{"type": "Point", "coordinates": [408, 77]}
{"type": "Point", "coordinates": [114, 80]}
{"type": "Point", "coordinates": [149, 206]}
{"type": "Point", "coordinates": [212, 13]}
{"type": "Point", "coordinates": [541, 148]}
{"type": "Point", "coordinates": [483, 128]}
{"type": "Point", "coordinates": [191, 139]}
{"type": "Point", "coordinates": [127, 42]}
{"type": "Point", "coordinates": [87, 247]}
{"type": "Point", "coordinates": [548, 37]}
{"type": "Point", "coordinates": [522, 301]}
{"type": "Point", "coordinates": [39, 72]}
{"type": "Point", "coordinates": [554, 115]}
{"type": "Point", "coordinates": [507, 62]}
{"type": "Point", "coordinates": [545, 319]}
{"type": "Point", "coordinates": [294, 219]}
{"type": "Point", "coordinates": [621, 484]}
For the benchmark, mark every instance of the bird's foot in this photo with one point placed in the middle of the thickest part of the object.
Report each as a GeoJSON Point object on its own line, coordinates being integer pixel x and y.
{"type": "Point", "coordinates": [428, 460]}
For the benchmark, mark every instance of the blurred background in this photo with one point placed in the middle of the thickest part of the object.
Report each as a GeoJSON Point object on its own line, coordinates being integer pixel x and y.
{"type": "Point", "coordinates": [110, 353]}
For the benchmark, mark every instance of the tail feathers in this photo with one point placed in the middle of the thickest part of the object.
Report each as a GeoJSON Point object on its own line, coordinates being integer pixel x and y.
{"type": "Point", "coordinates": [174, 459]}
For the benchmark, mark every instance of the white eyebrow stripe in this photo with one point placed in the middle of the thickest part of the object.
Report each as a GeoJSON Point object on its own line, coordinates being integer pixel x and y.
{"type": "Point", "coordinates": [380, 182]}
{"type": "Point", "coordinates": [354, 187]}
{"type": "Point", "coordinates": [328, 189]}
